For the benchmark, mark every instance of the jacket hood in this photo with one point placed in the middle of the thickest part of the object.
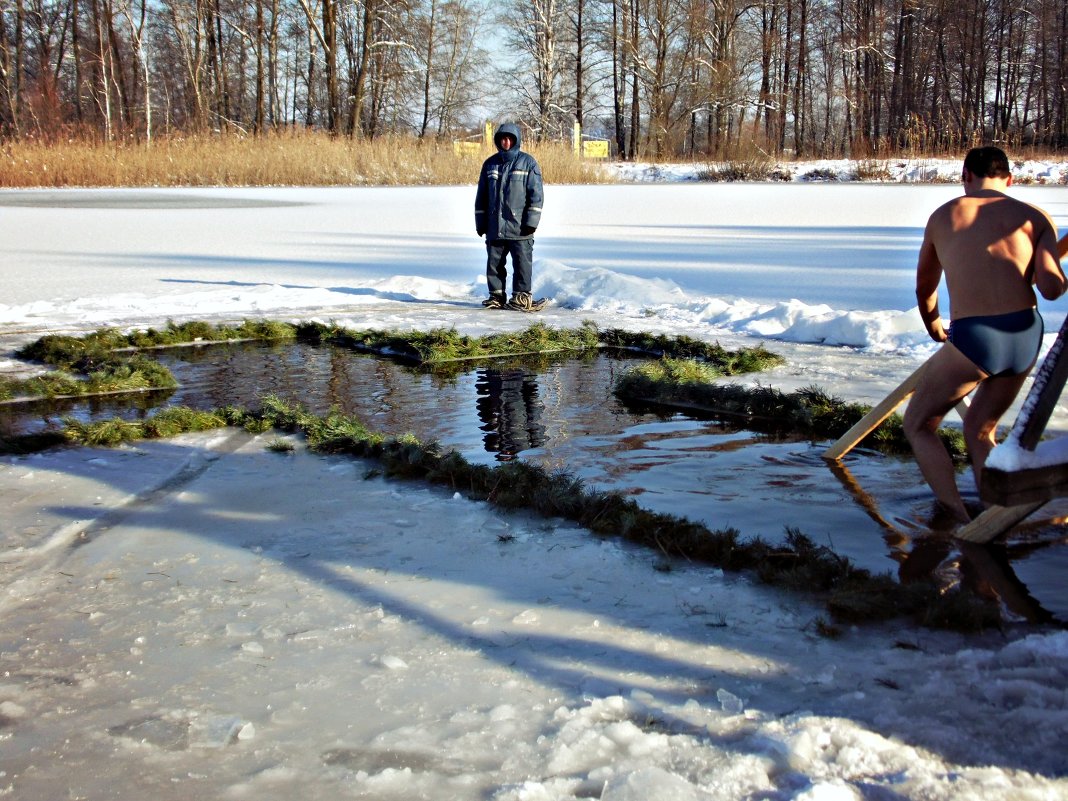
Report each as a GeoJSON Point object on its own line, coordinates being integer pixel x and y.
{"type": "Point", "coordinates": [512, 130]}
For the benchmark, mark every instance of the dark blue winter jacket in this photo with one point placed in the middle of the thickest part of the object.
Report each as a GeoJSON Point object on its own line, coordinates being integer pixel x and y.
{"type": "Point", "coordinates": [510, 191]}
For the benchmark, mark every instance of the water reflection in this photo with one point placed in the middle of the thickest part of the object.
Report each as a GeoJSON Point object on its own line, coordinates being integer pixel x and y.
{"type": "Point", "coordinates": [923, 552]}
{"type": "Point", "coordinates": [985, 570]}
{"type": "Point", "coordinates": [37, 416]}
{"type": "Point", "coordinates": [510, 411]}
{"type": "Point", "coordinates": [563, 414]}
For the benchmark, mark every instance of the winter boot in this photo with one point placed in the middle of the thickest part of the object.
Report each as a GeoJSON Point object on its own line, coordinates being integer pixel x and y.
{"type": "Point", "coordinates": [524, 302]}
{"type": "Point", "coordinates": [496, 300]}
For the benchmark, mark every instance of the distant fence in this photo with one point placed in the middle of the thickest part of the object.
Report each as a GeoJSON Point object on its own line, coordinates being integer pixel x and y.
{"type": "Point", "coordinates": [585, 147]}
{"type": "Point", "coordinates": [462, 148]}
{"type": "Point", "coordinates": [470, 146]}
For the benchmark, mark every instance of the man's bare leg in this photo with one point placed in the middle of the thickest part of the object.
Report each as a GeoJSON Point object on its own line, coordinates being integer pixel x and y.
{"type": "Point", "coordinates": [991, 401]}
{"type": "Point", "coordinates": [947, 379]}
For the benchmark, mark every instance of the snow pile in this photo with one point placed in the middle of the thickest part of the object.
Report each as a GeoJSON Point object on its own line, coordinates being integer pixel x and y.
{"type": "Point", "coordinates": [794, 321]}
{"type": "Point", "coordinates": [894, 170]}
{"type": "Point", "coordinates": [599, 289]}
{"type": "Point", "coordinates": [1008, 456]}
{"type": "Point", "coordinates": [605, 294]}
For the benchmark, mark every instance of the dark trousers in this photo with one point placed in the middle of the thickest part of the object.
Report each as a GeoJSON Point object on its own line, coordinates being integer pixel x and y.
{"type": "Point", "coordinates": [522, 252]}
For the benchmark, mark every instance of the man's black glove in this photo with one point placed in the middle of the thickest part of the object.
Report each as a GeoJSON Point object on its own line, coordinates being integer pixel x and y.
{"type": "Point", "coordinates": [527, 230]}
{"type": "Point", "coordinates": [480, 231]}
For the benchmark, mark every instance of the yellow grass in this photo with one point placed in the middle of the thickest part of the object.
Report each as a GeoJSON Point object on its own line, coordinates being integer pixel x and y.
{"type": "Point", "coordinates": [286, 159]}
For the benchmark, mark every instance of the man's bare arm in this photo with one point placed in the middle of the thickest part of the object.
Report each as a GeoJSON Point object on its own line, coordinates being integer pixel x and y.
{"type": "Point", "coordinates": [1049, 277]}
{"type": "Point", "coordinates": [928, 276]}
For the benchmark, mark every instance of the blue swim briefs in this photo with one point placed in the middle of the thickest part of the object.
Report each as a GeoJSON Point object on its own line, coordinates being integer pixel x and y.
{"type": "Point", "coordinates": [999, 344]}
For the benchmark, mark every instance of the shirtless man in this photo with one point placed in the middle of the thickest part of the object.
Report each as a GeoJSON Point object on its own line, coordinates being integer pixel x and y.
{"type": "Point", "coordinates": [992, 249]}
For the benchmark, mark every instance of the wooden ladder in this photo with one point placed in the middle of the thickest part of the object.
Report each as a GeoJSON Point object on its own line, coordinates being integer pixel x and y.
{"type": "Point", "coordinates": [1015, 494]}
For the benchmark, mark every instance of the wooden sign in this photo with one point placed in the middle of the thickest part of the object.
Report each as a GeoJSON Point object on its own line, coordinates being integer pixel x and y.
{"type": "Point", "coordinates": [595, 148]}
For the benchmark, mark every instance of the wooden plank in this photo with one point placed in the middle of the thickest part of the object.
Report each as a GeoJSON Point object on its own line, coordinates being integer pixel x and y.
{"type": "Point", "coordinates": [873, 419]}
{"type": "Point", "coordinates": [995, 521]}
{"type": "Point", "coordinates": [1010, 488]}
{"type": "Point", "coordinates": [1022, 489]}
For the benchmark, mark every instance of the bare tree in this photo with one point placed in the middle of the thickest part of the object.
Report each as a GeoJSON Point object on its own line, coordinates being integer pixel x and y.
{"type": "Point", "coordinates": [536, 27]}
{"type": "Point", "coordinates": [185, 44]}
{"type": "Point", "coordinates": [428, 63]}
{"type": "Point", "coordinates": [453, 63]}
{"type": "Point", "coordinates": [664, 76]}
{"type": "Point", "coordinates": [137, 33]}
{"type": "Point", "coordinates": [324, 25]}
{"type": "Point", "coordinates": [617, 44]}
{"type": "Point", "coordinates": [12, 62]}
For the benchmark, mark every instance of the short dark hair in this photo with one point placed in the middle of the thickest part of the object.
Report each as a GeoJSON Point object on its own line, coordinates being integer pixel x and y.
{"type": "Point", "coordinates": [987, 162]}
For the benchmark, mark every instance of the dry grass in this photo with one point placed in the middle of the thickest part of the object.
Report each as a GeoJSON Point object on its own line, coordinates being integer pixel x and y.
{"type": "Point", "coordinates": [285, 159]}
{"type": "Point", "coordinates": [308, 158]}
{"type": "Point", "coordinates": [873, 170]}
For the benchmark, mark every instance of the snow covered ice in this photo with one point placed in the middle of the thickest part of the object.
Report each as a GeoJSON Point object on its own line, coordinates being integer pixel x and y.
{"type": "Point", "coordinates": [205, 618]}
{"type": "Point", "coordinates": [404, 650]}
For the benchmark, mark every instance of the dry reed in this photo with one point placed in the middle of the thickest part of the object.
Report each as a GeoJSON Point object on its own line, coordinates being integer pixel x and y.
{"type": "Point", "coordinates": [285, 159]}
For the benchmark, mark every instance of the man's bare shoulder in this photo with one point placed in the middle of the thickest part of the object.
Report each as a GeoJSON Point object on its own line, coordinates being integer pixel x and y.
{"type": "Point", "coordinates": [941, 217]}
{"type": "Point", "coordinates": [1000, 206]}
{"type": "Point", "coordinates": [1040, 215]}
{"type": "Point", "coordinates": [1013, 211]}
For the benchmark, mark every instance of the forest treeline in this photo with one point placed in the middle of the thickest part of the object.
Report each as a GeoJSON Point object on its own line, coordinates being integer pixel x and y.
{"type": "Point", "coordinates": [658, 78]}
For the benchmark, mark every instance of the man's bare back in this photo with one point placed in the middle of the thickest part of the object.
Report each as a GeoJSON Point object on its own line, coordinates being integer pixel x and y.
{"type": "Point", "coordinates": [991, 248]}
{"type": "Point", "coordinates": [986, 245]}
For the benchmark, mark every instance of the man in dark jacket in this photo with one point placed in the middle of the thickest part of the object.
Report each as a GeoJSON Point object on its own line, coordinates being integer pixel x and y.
{"type": "Point", "coordinates": [507, 212]}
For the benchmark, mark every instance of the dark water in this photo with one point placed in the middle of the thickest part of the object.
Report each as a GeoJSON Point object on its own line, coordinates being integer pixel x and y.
{"type": "Point", "coordinates": [561, 413]}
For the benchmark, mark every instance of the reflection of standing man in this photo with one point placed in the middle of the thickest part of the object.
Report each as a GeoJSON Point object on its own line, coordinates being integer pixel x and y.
{"type": "Point", "coordinates": [507, 213]}
{"type": "Point", "coordinates": [510, 410]}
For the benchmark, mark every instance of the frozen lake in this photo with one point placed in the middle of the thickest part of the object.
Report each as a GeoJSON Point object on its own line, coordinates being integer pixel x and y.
{"type": "Point", "coordinates": [238, 623]}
